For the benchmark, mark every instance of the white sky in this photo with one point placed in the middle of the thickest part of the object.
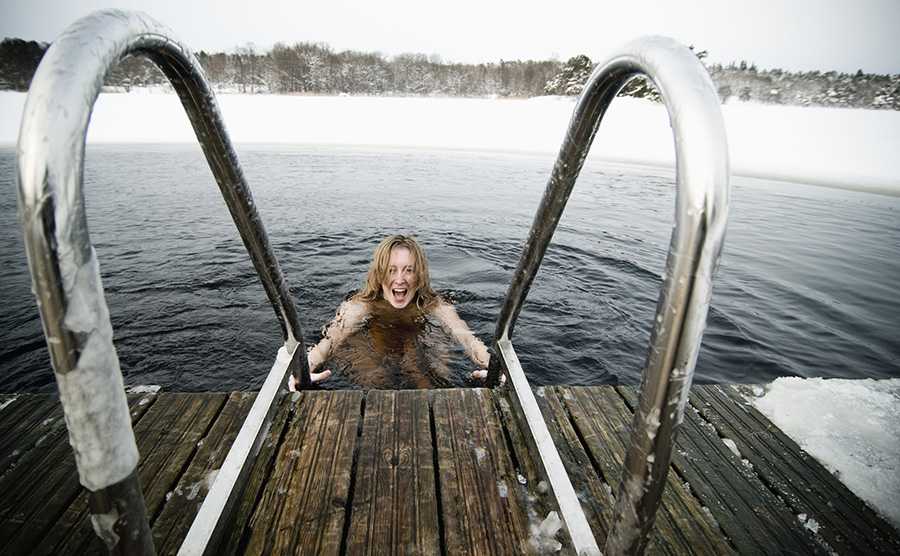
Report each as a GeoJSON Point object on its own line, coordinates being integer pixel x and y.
{"type": "Point", "coordinates": [843, 35]}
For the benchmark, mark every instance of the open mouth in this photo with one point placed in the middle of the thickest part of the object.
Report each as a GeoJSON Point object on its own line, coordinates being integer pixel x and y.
{"type": "Point", "coordinates": [399, 297]}
{"type": "Point", "coordinates": [399, 293]}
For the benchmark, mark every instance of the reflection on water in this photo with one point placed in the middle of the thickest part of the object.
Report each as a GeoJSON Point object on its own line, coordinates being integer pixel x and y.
{"type": "Point", "coordinates": [396, 348]}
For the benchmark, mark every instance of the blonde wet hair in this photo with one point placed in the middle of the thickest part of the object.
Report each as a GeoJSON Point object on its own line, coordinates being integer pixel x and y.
{"type": "Point", "coordinates": [425, 297]}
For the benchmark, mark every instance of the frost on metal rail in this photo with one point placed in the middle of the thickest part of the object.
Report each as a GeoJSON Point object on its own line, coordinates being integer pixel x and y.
{"type": "Point", "coordinates": [65, 271]}
{"type": "Point", "coordinates": [701, 210]}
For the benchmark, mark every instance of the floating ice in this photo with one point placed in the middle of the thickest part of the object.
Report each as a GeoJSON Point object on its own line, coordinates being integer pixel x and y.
{"type": "Point", "coordinates": [143, 389]}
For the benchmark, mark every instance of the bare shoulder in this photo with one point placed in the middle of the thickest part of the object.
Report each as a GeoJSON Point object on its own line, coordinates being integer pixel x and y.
{"type": "Point", "coordinates": [352, 312]}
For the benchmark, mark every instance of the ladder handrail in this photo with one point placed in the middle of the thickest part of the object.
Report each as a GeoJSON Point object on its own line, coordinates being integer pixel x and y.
{"type": "Point", "coordinates": [701, 211]}
{"type": "Point", "coordinates": [64, 267]}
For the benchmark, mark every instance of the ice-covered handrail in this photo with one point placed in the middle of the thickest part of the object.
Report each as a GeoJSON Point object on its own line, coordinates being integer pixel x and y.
{"type": "Point", "coordinates": [64, 268]}
{"type": "Point", "coordinates": [701, 210]}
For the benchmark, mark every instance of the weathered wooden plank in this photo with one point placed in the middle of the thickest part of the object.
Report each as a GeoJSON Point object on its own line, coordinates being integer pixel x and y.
{"type": "Point", "coordinates": [753, 519]}
{"type": "Point", "coordinates": [74, 520]}
{"type": "Point", "coordinates": [167, 436]}
{"type": "Point", "coordinates": [593, 490]}
{"type": "Point", "coordinates": [395, 506]}
{"type": "Point", "coordinates": [604, 433]}
{"type": "Point", "coordinates": [520, 450]}
{"type": "Point", "coordinates": [48, 498]}
{"type": "Point", "coordinates": [417, 500]}
{"type": "Point", "coordinates": [481, 502]}
{"type": "Point", "coordinates": [321, 519]}
{"type": "Point", "coordinates": [745, 509]}
{"type": "Point", "coordinates": [19, 408]}
{"type": "Point", "coordinates": [303, 506]}
{"type": "Point", "coordinates": [371, 517]}
{"type": "Point", "coordinates": [845, 523]}
{"type": "Point", "coordinates": [23, 423]}
{"type": "Point", "coordinates": [605, 421]}
{"type": "Point", "coordinates": [236, 539]}
{"type": "Point", "coordinates": [171, 444]}
{"type": "Point", "coordinates": [170, 528]}
{"type": "Point", "coordinates": [39, 422]}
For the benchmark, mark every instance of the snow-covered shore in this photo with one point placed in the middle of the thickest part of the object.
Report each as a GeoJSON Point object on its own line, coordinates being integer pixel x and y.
{"type": "Point", "coordinates": [851, 426]}
{"type": "Point", "coordinates": [854, 149]}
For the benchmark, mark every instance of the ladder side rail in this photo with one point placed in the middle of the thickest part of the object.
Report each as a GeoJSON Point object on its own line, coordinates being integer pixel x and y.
{"type": "Point", "coordinates": [63, 264]}
{"type": "Point", "coordinates": [701, 211]}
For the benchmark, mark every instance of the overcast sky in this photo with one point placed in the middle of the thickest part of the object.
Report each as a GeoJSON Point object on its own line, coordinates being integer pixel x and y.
{"type": "Point", "coordinates": [844, 35]}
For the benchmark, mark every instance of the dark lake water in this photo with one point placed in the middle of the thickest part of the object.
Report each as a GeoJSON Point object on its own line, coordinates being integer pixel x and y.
{"type": "Point", "coordinates": [809, 283]}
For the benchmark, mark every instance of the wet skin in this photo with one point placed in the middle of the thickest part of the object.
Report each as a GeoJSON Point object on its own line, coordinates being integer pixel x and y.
{"type": "Point", "coordinates": [397, 348]}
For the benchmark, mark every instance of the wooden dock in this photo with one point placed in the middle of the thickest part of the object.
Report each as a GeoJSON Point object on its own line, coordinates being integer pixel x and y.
{"type": "Point", "coordinates": [433, 472]}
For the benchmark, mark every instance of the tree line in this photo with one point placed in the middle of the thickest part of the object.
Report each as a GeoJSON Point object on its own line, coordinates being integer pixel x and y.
{"type": "Point", "coordinates": [743, 81]}
{"type": "Point", "coordinates": [315, 68]}
{"type": "Point", "coordinates": [312, 68]}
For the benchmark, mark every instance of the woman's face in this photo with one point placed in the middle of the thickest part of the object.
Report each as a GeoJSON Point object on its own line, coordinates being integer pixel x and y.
{"type": "Point", "coordinates": [399, 285]}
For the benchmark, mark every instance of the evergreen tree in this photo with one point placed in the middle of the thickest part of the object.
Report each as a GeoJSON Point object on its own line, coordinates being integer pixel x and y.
{"type": "Point", "coordinates": [571, 78]}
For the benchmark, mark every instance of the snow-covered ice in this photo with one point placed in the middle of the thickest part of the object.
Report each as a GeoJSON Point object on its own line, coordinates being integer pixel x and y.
{"type": "Point", "coordinates": [838, 147]}
{"type": "Point", "coordinates": [851, 426]}
{"type": "Point", "coordinates": [143, 389]}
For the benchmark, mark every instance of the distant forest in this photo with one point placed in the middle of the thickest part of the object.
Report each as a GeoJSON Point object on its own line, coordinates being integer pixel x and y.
{"type": "Point", "coordinates": [315, 68]}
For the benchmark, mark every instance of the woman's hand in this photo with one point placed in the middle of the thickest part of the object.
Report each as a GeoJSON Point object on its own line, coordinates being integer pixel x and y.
{"type": "Point", "coordinates": [314, 377]}
{"type": "Point", "coordinates": [482, 374]}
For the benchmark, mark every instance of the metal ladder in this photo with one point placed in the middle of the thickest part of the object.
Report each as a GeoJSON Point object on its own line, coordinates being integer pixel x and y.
{"type": "Point", "coordinates": [66, 278]}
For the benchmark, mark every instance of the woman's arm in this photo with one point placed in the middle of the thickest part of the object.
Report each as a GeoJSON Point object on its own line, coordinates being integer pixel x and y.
{"type": "Point", "coordinates": [349, 318]}
{"type": "Point", "coordinates": [458, 328]}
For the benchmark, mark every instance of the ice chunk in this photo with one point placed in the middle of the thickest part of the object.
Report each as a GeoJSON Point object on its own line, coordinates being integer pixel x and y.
{"type": "Point", "coordinates": [502, 489]}
{"type": "Point", "coordinates": [812, 525]}
{"type": "Point", "coordinates": [143, 389]}
{"type": "Point", "coordinates": [104, 527]}
{"type": "Point", "coordinates": [543, 536]}
{"type": "Point", "coordinates": [732, 446]}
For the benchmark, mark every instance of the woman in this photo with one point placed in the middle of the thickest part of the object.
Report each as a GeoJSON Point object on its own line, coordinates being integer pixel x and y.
{"type": "Point", "coordinates": [394, 305]}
